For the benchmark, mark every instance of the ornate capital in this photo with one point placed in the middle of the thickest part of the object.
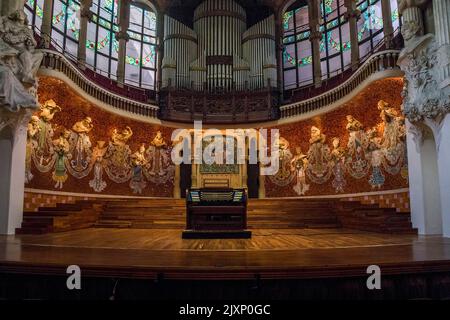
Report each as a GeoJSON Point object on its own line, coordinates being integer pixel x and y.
{"type": "Point", "coordinates": [411, 29]}
{"type": "Point", "coordinates": [17, 121]}
{"type": "Point", "coordinates": [315, 35]}
{"type": "Point", "coordinates": [122, 35]}
{"type": "Point", "coordinates": [85, 6]}
{"type": "Point", "coordinates": [423, 99]}
{"type": "Point", "coordinates": [352, 14]}
{"type": "Point", "coordinates": [406, 4]}
{"type": "Point", "coordinates": [86, 13]}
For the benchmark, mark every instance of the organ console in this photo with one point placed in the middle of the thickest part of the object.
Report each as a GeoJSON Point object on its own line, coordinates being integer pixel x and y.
{"type": "Point", "coordinates": [216, 213]}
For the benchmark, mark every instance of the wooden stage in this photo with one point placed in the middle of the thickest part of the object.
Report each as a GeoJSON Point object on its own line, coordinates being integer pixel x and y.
{"type": "Point", "coordinates": [337, 256]}
{"type": "Point", "coordinates": [271, 253]}
{"type": "Point", "coordinates": [300, 249]}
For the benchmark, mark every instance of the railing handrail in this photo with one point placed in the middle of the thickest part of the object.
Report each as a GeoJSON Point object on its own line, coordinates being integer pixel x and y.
{"type": "Point", "coordinates": [55, 60]}
{"type": "Point", "coordinates": [340, 72]}
{"type": "Point", "coordinates": [75, 60]}
{"type": "Point", "coordinates": [314, 103]}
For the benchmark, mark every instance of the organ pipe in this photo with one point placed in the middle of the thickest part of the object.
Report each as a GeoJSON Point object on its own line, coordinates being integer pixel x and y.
{"type": "Point", "coordinates": [219, 51]}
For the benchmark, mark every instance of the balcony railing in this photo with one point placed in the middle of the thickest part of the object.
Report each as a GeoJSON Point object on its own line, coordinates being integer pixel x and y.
{"type": "Point", "coordinates": [54, 60]}
{"type": "Point", "coordinates": [378, 62]}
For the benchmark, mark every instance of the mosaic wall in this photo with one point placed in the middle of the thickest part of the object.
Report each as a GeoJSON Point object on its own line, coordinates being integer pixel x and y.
{"type": "Point", "coordinates": [75, 146]}
{"type": "Point", "coordinates": [359, 147]}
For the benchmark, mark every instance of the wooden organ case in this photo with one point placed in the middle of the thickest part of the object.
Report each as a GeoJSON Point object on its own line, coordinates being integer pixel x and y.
{"type": "Point", "coordinates": [216, 213]}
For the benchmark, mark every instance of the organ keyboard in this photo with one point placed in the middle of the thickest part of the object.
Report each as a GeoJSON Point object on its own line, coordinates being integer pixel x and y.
{"type": "Point", "coordinates": [216, 213]}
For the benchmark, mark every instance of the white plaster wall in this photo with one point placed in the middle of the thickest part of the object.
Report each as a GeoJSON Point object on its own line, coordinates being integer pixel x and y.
{"type": "Point", "coordinates": [444, 174]}
{"type": "Point", "coordinates": [5, 174]}
{"type": "Point", "coordinates": [424, 184]}
{"type": "Point", "coordinates": [417, 201]}
{"type": "Point", "coordinates": [431, 191]}
{"type": "Point", "coordinates": [12, 177]}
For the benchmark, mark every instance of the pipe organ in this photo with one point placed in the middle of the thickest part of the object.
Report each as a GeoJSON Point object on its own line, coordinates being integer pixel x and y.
{"type": "Point", "coordinates": [219, 52]}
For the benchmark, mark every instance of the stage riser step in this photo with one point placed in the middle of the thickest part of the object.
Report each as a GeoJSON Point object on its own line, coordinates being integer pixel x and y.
{"type": "Point", "coordinates": [262, 214]}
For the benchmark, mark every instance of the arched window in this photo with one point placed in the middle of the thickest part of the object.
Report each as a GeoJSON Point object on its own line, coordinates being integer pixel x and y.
{"type": "Point", "coordinates": [335, 53]}
{"type": "Point", "coordinates": [33, 9]}
{"type": "Point", "coordinates": [102, 47]}
{"type": "Point", "coordinates": [297, 53]}
{"type": "Point", "coordinates": [66, 25]}
{"type": "Point", "coordinates": [140, 68]}
{"type": "Point", "coordinates": [335, 46]}
{"type": "Point", "coordinates": [370, 26]}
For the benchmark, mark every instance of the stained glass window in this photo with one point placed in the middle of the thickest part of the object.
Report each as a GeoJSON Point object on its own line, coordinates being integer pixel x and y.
{"type": "Point", "coordinates": [395, 15]}
{"type": "Point", "coordinates": [370, 26]}
{"type": "Point", "coordinates": [102, 46]}
{"type": "Point", "coordinates": [297, 56]}
{"type": "Point", "coordinates": [335, 46]}
{"type": "Point", "coordinates": [140, 68]}
{"type": "Point", "coordinates": [332, 45]}
{"type": "Point", "coordinates": [66, 25]}
{"type": "Point", "coordinates": [34, 11]}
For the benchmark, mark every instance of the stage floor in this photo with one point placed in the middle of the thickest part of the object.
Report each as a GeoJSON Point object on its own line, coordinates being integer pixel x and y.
{"type": "Point", "coordinates": [270, 253]}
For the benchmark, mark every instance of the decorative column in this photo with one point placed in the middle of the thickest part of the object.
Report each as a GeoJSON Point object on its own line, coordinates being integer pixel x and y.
{"type": "Point", "coordinates": [388, 29]}
{"type": "Point", "coordinates": [412, 21]}
{"type": "Point", "coordinates": [194, 161]}
{"type": "Point", "coordinates": [46, 27]}
{"type": "Point", "coordinates": [352, 15]}
{"type": "Point", "coordinates": [315, 37]}
{"type": "Point", "coordinates": [86, 16]}
{"type": "Point", "coordinates": [279, 49]}
{"type": "Point", "coordinates": [244, 167]}
{"type": "Point", "coordinates": [8, 6]}
{"type": "Point", "coordinates": [441, 12]}
{"type": "Point", "coordinates": [160, 49]}
{"type": "Point", "coordinates": [13, 140]}
{"type": "Point", "coordinates": [19, 89]}
{"type": "Point", "coordinates": [426, 105]}
{"type": "Point", "coordinates": [123, 37]}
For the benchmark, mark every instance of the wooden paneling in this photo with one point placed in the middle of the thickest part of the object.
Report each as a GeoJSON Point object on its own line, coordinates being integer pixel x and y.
{"type": "Point", "coordinates": [262, 214]}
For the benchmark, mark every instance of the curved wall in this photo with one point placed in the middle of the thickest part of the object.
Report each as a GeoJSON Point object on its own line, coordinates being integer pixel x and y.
{"type": "Point", "coordinates": [371, 164]}
{"type": "Point", "coordinates": [371, 158]}
{"type": "Point", "coordinates": [82, 160]}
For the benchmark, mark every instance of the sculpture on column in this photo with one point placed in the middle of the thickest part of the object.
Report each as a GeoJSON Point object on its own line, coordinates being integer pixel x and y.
{"type": "Point", "coordinates": [17, 36]}
{"type": "Point", "coordinates": [18, 66]}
